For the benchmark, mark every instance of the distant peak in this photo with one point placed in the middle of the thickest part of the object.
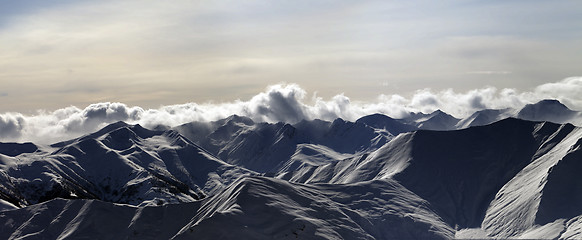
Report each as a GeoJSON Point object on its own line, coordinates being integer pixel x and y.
{"type": "Point", "coordinates": [438, 112]}
{"type": "Point", "coordinates": [338, 121]}
{"type": "Point", "coordinates": [377, 115]}
{"type": "Point", "coordinates": [546, 110]}
{"type": "Point", "coordinates": [240, 119]}
{"type": "Point", "coordinates": [117, 124]}
{"type": "Point", "coordinates": [416, 114]}
{"type": "Point", "coordinates": [555, 101]}
{"type": "Point", "coordinates": [375, 119]}
{"type": "Point", "coordinates": [550, 102]}
{"type": "Point", "coordinates": [545, 104]}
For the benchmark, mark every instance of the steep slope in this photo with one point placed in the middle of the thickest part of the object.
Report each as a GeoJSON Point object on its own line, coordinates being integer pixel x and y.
{"type": "Point", "coordinates": [544, 192]}
{"type": "Point", "coordinates": [269, 148]}
{"type": "Point", "coordinates": [264, 208]}
{"type": "Point", "coordinates": [369, 179]}
{"type": "Point", "coordinates": [474, 176]}
{"type": "Point", "coordinates": [212, 136]}
{"type": "Point", "coordinates": [121, 163]}
{"type": "Point", "coordinates": [261, 147]}
{"type": "Point", "coordinates": [88, 219]}
{"type": "Point", "coordinates": [342, 136]}
{"type": "Point", "coordinates": [484, 117]}
{"type": "Point", "coordinates": [383, 163]}
{"type": "Point", "coordinates": [252, 208]}
{"type": "Point", "coordinates": [311, 155]}
{"type": "Point", "coordinates": [459, 172]}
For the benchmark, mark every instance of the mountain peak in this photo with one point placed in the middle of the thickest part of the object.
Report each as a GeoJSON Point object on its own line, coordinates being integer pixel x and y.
{"type": "Point", "coordinates": [376, 115]}
{"type": "Point", "coordinates": [484, 117]}
{"type": "Point", "coordinates": [439, 120]}
{"type": "Point", "coordinates": [550, 101]}
{"type": "Point", "coordinates": [438, 111]}
{"type": "Point", "coordinates": [119, 129]}
{"type": "Point", "coordinates": [381, 121]}
{"type": "Point", "coordinates": [338, 122]}
{"type": "Point", "coordinates": [546, 110]}
{"type": "Point", "coordinates": [238, 118]}
{"type": "Point", "coordinates": [234, 119]}
{"type": "Point", "coordinates": [553, 103]}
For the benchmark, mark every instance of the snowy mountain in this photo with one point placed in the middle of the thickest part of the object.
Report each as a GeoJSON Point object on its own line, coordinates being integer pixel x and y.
{"type": "Point", "coordinates": [90, 219]}
{"type": "Point", "coordinates": [437, 120]}
{"type": "Point", "coordinates": [485, 117]}
{"type": "Point", "coordinates": [474, 178]}
{"type": "Point", "coordinates": [252, 208]}
{"type": "Point", "coordinates": [122, 164]}
{"type": "Point", "coordinates": [375, 178]}
{"type": "Point", "coordinates": [383, 122]}
{"type": "Point", "coordinates": [271, 147]}
{"type": "Point", "coordinates": [547, 110]}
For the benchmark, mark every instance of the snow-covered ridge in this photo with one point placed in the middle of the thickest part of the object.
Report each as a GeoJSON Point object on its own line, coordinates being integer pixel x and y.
{"type": "Point", "coordinates": [474, 178]}
{"type": "Point", "coordinates": [270, 147]}
{"type": "Point", "coordinates": [251, 208]}
{"type": "Point", "coordinates": [375, 178]}
{"type": "Point", "coordinates": [121, 163]}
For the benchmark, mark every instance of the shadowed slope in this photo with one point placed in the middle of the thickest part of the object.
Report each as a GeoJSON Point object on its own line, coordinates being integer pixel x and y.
{"type": "Point", "coordinates": [547, 110]}
{"type": "Point", "coordinates": [461, 172]}
{"type": "Point", "coordinates": [264, 208]}
{"type": "Point", "coordinates": [121, 163]}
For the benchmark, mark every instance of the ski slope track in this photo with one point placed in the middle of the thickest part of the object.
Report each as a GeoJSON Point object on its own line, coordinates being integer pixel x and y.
{"type": "Point", "coordinates": [498, 173]}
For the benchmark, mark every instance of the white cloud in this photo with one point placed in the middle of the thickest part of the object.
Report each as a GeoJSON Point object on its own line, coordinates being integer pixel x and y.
{"type": "Point", "coordinates": [568, 91]}
{"type": "Point", "coordinates": [284, 102]}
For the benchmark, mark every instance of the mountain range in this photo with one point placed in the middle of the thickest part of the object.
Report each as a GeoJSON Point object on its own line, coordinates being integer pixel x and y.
{"type": "Point", "coordinates": [499, 173]}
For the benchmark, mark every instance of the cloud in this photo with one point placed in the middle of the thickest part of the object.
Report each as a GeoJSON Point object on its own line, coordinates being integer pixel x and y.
{"type": "Point", "coordinates": [278, 103]}
{"type": "Point", "coordinates": [568, 91]}
{"type": "Point", "coordinates": [11, 125]}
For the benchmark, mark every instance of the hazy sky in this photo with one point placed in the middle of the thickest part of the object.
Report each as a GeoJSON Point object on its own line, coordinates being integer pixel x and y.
{"type": "Point", "coordinates": [54, 54]}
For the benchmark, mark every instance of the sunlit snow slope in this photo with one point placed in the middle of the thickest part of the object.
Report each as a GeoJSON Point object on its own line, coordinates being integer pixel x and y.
{"type": "Point", "coordinates": [122, 164]}
{"type": "Point", "coordinates": [375, 178]}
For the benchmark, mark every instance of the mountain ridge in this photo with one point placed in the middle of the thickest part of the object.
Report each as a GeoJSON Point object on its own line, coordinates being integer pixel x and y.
{"type": "Point", "coordinates": [375, 178]}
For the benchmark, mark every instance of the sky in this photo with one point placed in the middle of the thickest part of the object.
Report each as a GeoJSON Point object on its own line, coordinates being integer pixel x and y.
{"type": "Point", "coordinates": [59, 53]}
{"type": "Point", "coordinates": [60, 58]}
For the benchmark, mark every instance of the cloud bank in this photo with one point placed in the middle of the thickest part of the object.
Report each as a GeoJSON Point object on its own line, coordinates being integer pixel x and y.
{"type": "Point", "coordinates": [278, 103]}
